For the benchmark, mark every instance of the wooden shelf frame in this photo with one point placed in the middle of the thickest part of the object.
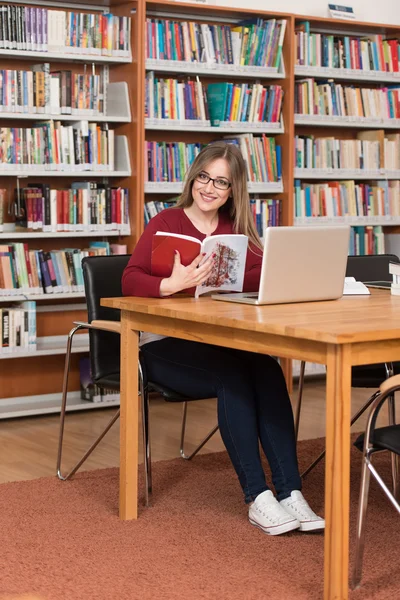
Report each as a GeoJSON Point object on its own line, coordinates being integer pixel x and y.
{"type": "Point", "coordinates": [45, 386]}
{"type": "Point", "coordinates": [132, 127]}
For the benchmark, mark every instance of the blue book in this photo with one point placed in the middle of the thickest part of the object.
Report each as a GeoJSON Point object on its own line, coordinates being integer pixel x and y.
{"type": "Point", "coordinates": [278, 150]}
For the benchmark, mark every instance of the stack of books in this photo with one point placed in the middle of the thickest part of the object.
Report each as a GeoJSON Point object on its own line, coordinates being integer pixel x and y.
{"type": "Point", "coordinates": [330, 98]}
{"type": "Point", "coordinates": [42, 90]}
{"type": "Point", "coordinates": [26, 271]}
{"type": "Point", "coordinates": [369, 52]}
{"type": "Point", "coordinates": [47, 30]}
{"type": "Point", "coordinates": [85, 206]}
{"type": "Point", "coordinates": [255, 42]}
{"type": "Point", "coordinates": [347, 199]}
{"type": "Point", "coordinates": [18, 327]}
{"type": "Point", "coordinates": [52, 146]}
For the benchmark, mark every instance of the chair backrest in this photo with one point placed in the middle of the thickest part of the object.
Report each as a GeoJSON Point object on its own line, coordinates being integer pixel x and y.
{"type": "Point", "coordinates": [372, 267]}
{"type": "Point", "coordinates": [102, 278]}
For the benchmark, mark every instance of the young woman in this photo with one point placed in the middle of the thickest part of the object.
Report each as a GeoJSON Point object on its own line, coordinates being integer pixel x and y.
{"type": "Point", "coordinates": [253, 403]}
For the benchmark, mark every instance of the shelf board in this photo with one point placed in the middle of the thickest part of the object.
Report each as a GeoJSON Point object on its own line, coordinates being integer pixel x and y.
{"type": "Point", "coordinates": [354, 122]}
{"type": "Point", "coordinates": [71, 173]}
{"type": "Point", "coordinates": [353, 221]}
{"type": "Point", "coordinates": [64, 56]}
{"type": "Point", "coordinates": [165, 187]}
{"type": "Point", "coordinates": [213, 69]}
{"type": "Point", "coordinates": [205, 126]}
{"type": "Point", "coordinates": [351, 74]}
{"type": "Point", "coordinates": [45, 404]}
{"type": "Point", "coordinates": [15, 235]}
{"type": "Point", "coordinates": [27, 296]}
{"type": "Point", "coordinates": [344, 174]}
{"type": "Point", "coordinates": [15, 116]}
{"type": "Point", "coordinates": [50, 346]}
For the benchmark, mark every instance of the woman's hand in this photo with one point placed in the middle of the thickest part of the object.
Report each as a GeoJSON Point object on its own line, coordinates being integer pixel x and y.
{"type": "Point", "coordinates": [183, 278]}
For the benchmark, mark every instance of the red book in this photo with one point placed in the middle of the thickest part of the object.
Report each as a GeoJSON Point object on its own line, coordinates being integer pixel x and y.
{"type": "Point", "coordinates": [229, 253]}
{"type": "Point", "coordinates": [163, 252]}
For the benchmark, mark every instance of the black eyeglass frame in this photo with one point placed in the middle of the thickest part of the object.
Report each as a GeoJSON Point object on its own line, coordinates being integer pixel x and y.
{"type": "Point", "coordinates": [213, 180]}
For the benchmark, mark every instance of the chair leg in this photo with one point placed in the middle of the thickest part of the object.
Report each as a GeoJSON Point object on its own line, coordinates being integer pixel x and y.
{"type": "Point", "coordinates": [394, 457]}
{"type": "Point", "coordinates": [144, 394]}
{"type": "Point", "coordinates": [63, 411]}
{"type": "Point", "coordinates": [353, 420]}
{"type": "Point", "coordinates": [360, 533]}
{"type": "Point", "coordinates": [299, 399]}
{"type": "Point", "coordinates": [202, 443]}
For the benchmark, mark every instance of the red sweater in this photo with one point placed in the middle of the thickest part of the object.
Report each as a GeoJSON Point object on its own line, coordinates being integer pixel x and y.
{"type": "Point", "coordinates": [137, 279]}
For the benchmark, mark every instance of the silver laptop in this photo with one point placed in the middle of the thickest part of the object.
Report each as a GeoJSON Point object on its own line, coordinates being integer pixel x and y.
{"type": "Point", "coordinates": [300, 264]}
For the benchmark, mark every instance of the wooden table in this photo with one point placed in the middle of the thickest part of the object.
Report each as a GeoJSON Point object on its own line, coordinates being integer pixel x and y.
{"type": "Point", "coordinates": [354, 330]}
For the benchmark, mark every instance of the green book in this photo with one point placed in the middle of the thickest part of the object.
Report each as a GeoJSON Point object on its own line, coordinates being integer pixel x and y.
{"type": "Point", "coordinates": [217, 98]}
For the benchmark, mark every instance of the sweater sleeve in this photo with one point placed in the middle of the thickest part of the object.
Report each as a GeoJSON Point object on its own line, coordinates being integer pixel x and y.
{"type": "Point", "coordinates": [137, 279]}
{"type": "Point", "coordinates": [253, 269]}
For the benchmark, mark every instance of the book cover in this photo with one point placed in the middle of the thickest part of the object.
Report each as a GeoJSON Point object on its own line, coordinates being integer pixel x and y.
{"type": "Point", "coordinates": [163, 251]}
{"type": "Point", "coordinates": [229, 253]}
{"type": "Point", "coordinates": [217, 98]}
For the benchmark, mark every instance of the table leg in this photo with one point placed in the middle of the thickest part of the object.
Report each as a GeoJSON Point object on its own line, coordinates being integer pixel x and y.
{"type": "Point", "coordinates": [337, 472]}
{"type": "Point", "coordinates": [129, 421]}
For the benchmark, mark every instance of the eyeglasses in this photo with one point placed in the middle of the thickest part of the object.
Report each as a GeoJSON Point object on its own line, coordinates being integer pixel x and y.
{"type": "Point", "coordinates": [220, 182]}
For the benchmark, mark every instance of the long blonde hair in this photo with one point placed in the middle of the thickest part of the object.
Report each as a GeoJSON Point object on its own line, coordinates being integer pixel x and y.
{"type": "Point", "coordinates": [238, 204]}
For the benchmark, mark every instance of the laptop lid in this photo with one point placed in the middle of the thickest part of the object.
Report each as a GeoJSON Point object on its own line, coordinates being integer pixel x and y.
{"type": "Point", "coordinates": [302, 264]}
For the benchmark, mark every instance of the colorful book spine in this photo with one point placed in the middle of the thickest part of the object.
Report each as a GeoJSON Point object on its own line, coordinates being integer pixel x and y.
{"type": "Point", "coordinates": [369, 52]}
{"type": "Point", "coordinates": [258, 43]}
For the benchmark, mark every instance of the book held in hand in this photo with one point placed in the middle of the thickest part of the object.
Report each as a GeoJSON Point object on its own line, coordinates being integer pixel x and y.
{"type": "Point", "coordinates": [229, 258]}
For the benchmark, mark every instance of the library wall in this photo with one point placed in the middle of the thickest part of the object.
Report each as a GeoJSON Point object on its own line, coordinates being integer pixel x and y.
{"type": "Point", "coordinates": [365, 10]}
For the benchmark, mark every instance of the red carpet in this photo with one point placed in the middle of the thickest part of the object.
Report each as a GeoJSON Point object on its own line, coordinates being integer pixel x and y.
{"type": "Point", "coordinates": [64, 541]}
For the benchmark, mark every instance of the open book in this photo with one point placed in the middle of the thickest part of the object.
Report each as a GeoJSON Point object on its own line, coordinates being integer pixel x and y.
{"type": "Point", "coordinates": [230, 251]}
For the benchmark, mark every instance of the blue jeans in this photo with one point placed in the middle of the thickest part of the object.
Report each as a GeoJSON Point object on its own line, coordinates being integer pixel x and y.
{"type": "Point", "coordinates": [253, 406]}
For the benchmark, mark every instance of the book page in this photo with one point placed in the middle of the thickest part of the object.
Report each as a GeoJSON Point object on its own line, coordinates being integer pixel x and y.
{"type": "Point", "coordinates": [230, 252]}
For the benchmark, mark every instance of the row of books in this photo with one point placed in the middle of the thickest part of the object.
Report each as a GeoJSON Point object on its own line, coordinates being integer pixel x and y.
{"type": "Point", "coordinates": [47, 30]}
{"type": "Point", "coordinates": [42, 90]}
{"type": "Point", "coordinates": [215, 102]}
{"type": "Point", "coordinates": [250, 43]}
{"type": "Point", "coordinates": [26, 271]}
{"type": "Point", "coordinates": [347, 198]}
{"type": "Point", "coordinates": [51, 145]}
{"type": "Point", "coordinates": [266, 213]}
{"type": "Point", "coordinates": [314, 97]}
{"type": "Point", "coordinates": [85, 206]}
{"type": "Point", "coordinates": [365, 52]}
{"type": "Point", "coordinates": [153, 207]}
{"type": "Point", "coordinates": [18, 327]}
{"type": "Point", "coordinates": [366, 240]}
{"type": "Point", "coordinates": [89, 390]}
{"type": "Point", "coordinates": [372, 150]}
{"type": "Point", "coordinates": [169, 161]}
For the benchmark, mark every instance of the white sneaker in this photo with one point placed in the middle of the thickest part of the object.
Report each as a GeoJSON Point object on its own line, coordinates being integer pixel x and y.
{"type": "Point", "coordinates": [267, 514]}
{"type": "Point", "coordinates": [297, 506]}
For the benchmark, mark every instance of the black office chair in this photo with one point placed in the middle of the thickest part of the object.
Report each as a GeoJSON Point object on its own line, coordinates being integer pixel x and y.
{"type": "Point", "coordinates": [102, 278]}
{"type": "Point", "coordinates": [373, 267]}
{"type": "Point", "coordinates": [375, 440]}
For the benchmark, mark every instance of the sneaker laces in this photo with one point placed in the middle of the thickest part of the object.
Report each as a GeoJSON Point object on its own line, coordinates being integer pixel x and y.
{"type": "Point", "coordinates": [266, 507]}
{"type": "Point", "coordinates": [301, 507]}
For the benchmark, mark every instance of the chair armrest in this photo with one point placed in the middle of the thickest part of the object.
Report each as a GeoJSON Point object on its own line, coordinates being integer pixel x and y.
{"type": "Point", "coordinates": [112, 326]}
{"type": "Point", "coordinates": [391, 382]}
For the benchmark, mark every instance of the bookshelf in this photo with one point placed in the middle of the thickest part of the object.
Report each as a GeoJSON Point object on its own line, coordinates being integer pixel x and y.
{"type": "Point", "coordinates": [362, 74]}
{"type": "Point", "coordinates": [103, 86]}
{"type": "Point", "coordinates": [125, 112]}
{"type": "Point", "coordinates": [197, 131]}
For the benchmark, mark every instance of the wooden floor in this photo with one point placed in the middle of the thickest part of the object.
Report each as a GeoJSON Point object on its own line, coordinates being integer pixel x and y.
{"type": "Point", "coordinates": [28, 446]}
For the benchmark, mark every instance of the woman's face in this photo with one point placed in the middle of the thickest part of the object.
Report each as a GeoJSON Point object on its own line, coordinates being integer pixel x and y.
{"type": "Point", "coordinates": [209, 196]}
